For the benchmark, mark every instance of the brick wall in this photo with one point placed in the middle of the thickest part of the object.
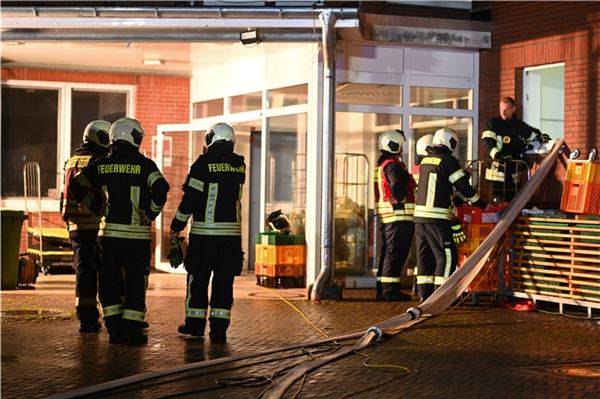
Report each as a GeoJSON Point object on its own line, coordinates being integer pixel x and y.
{"type": "Point", "coordinates": [158, 100]}
{"type": "Point", "coordinates": [526, 34]}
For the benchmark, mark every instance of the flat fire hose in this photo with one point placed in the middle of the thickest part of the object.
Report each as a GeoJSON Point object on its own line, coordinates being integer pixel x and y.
{"type": "Point", "coordinates": [443, 297]}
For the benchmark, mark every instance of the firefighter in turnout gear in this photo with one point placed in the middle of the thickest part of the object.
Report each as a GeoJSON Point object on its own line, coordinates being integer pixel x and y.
{"type": "Point", "coordinates": [505, 139]}
{"type": "Point", "coordinates": [212, 194]}
{"type": "Point", "coordinates": [133, 194]}
{"type": "Point", "coordinates": [83, 225]}
{"type": "Point", "coordinates": [436, 250]}
{"type": "Point", "coordinates": [394, 204]}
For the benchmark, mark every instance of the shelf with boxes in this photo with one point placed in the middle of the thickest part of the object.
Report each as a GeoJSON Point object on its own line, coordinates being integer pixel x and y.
{"type": "Point", "coordinates": [280, 260]}
{"type": "Point", "coordinates": [556, 258]}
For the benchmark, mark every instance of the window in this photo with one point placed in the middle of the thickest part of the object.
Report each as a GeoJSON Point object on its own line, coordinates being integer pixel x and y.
{"type": "Point", "coordinates": [29, 137]}
{"type": "Point", "coordinates": [421, 125]}
{"type": "Point", "coordinates": [372, 94]}
{"type": "Point", "coordinates": [44, 121]}
{"type": "Point", "coordinates": [544, 98]}
{"type": "Point", "coordinates": [204, 109]}
{"type": "Point", "coordinates": [286, 96]}
{"type": "Point", "coordinates": [441, 97]}
{"type": "Point", "coordinates": [246, 102]}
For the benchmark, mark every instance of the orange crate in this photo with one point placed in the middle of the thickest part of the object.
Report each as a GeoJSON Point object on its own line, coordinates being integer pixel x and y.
{"type": "Point", "coordinates": [280, 254]}
{"type": "Point", "coordinates": [475, 233]}
{"type": "Point", "coordinates": [583, 171]}
{"type": "Point", "coordinates": [279, 270]}
{"type": "Point", "coordinates": [580, 197]}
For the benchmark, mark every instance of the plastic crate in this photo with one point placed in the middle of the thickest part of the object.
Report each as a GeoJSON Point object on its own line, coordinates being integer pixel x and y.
{"type": "Point", "coordinates": [579, 197]}
{"type": "Point", "coordinates": [280, 254]}
{"type": "Point", "coordinates": [583, 171]}
{"type": "Point", "coordinates": [473, 215]}
{"type": "Point", "coordinates": [476, 233]}
{"type": "Point", "coordinates": [279, 270]}
{"type": "Point", "coordinates": [275, 238]}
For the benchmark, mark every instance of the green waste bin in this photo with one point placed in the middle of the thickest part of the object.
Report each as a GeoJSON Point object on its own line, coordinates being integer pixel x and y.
{"type": "Point", "coordinates": [12, 221]}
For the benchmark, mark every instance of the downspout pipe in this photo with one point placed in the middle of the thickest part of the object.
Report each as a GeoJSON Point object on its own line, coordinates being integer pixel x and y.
{"type": "Point", "coordinates": [327, 18]}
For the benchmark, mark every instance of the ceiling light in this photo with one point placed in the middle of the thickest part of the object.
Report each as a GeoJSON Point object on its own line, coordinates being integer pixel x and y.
{"type": "Point", "coordinates": [153, 61]}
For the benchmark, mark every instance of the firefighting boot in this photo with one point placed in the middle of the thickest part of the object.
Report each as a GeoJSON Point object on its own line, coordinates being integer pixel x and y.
{"type": "Point", "coordinates": [133, 334]}
{"type": "Point", "coordinates": [88, 319]}
{"type": "Point", "coordinates": [114, 325]}
{"type": "Point", "coordinates": [218, 330]}
{"type": "Point", "coordinates": [378, 290]}
{"type": "Point", "coordinates": [194, 331]}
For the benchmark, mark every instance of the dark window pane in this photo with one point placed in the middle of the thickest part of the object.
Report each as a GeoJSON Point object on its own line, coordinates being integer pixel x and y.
{"type": "Point", "coordinates": [29, 134]}
{"type": "Point", "coordinates": [88, 106]}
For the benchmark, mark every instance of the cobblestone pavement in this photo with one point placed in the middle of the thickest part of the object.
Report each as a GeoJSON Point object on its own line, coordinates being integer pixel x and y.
{"type": "Point", "coordinates": [468, 352]}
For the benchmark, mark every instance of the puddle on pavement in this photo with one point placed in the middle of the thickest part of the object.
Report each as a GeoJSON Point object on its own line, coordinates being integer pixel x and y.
{"type": "Point", "coordinates": [583, 372]}
{"type": "Point", "coordinates": [34, 314]}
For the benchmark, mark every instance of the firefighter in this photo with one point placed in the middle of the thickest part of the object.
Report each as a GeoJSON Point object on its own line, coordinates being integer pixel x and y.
{"type": "Point", "coordinates": [394, 204]}
{"type": "Point", "coordinates": [83, 225]}
{"type": "Point", "coordinates": [505, 140]}
{"type": "Point", "coordinates": [212, 197]}
{"type": "Point", "coordinates": [133, 194]}
{"type": "Point", "coordinates": [436, 250]}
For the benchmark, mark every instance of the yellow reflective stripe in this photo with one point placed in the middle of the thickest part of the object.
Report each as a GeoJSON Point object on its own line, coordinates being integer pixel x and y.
{"type": "Point", "coordinates": [431, 161]}
{"type": "Point", "coordinates": [211, 202]}
{"type": "Point", "coordinates": [238, 206]}
{"type": "Point", "coordinates": [153, 177]}
{"type": "Point", "coordinates": [439, 280]}
{"type": "Point", "coordinates": [80, 161]}
{"type": "Point", "coordinates": [195, 183]}
{"type": "Point", "coordinates": [456, 175]}
{"type": "Point", "coordinates": [220, 313]}
{"type": "Point", "coordinates": [188, 292]}
{"type": "Point", "coordinates": [494, 151]}
{"type": "Point", "coordinates": [216, 232]}
{"type": "Point", "coordinates": [134, 197]}
{"type": "Point", "coordinates": [488, 134]}
{"type": "Point", "coordinates": [182, 217]}
{"type": "Point", "coordinates": [385, 279]}
{"type": "Point", "coordinates": [155, 208]}
{"type": "Point", "coordinates": [396, 218]}
{"type": "Point", "coordinates": [433, 212]}
{"type": "Point", "coordinates": [112, 310]}
{"type": "Point", "coordinates": [474, 198]}
{"type": "Point", "coordinates": [121, 234]}
{"type": "Point", "coordinates": [124, 227]}
{"type": "Point", "coordinates": [494, 175]}
{"type": "Point", "coordinates": [117, 230]}
{"type": "Point", "coordinates": [431, 183]}
{"type": "Point", "coordinates": [195, 313]}
{"type": "Point", "coordinates": [135, 315]}
{"type": "Point", "coordinates": [448, 266]}
{"type": "Point", "coordinates": [424, 279]}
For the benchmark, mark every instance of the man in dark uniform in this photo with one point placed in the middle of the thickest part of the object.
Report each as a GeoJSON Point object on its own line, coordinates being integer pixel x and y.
{"type": "Point", "coordinates": [394, 204]}
{"type": "Point", "coordinates": [133, 194]}
{"type": "Point", "coordinates": [505, 140]}
{"type": "Point", "coordinates": [212, 195]}
{"type": "Point", "coordinates": [83, 225]}
{"type": "Point", "coordinates": [440, 172]}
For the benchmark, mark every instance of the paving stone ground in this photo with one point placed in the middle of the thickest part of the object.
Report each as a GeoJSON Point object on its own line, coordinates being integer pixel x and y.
{"type": "Point", "coordinates": [468, 352]}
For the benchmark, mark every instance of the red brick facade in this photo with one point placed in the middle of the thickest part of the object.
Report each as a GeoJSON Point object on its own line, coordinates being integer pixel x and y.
{"type": "Point", "coordinates": [158, 100]}
{"type": "Point", "coordinates": [526, 34]}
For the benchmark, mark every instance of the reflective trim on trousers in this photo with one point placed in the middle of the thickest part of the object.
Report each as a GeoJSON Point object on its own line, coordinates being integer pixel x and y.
{"type": "Point", "coordinates": [439, 280]}
{"type": "Point", "coordinates": [425, 279]}
{"type": "Point", "coordinates": [112, 310]}
{"type": "Point", "coordinates": [220, 313]}
{"type": "Point", "coordinates": [385, 279]}
{"type": "Point", "coordinates": [195, 313]}
{"type": "Point", "coordinates": [134, 315]}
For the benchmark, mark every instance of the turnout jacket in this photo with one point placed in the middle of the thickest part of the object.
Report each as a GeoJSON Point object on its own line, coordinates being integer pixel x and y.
{"type": "Point", "coordinates": [212, 193]}
{"type": "Point", "coordinates": [439, 173]}
{"type": "Point", "coordinates": [394, 190]}
{"type": "Point", "coordinates": [129, 184]}
{"type": "Point", "coordinates": [507, 137]}
{"type": "Point", "coordinates": [76, 216]}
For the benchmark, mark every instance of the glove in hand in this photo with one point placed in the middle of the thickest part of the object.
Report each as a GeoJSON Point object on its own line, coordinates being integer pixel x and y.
{"type": "Point", "coordinates": [176, 254]}
{"type": "Point", "coordinates": [458, 235]}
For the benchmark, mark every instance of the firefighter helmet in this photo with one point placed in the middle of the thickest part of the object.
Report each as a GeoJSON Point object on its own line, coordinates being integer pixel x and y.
{"type": "Point", "coordinates": [446, 137]}
{"type": "Point", "coordinates": [127, 129]}
{"type": "Point", "coordinates": [423, 143]}
{"type": "Point", "coordinates": [219, 131]}
{"type": "Point", "coordinates": [97, 132]}
{"type": "Point", "coordinates": [391, 141]}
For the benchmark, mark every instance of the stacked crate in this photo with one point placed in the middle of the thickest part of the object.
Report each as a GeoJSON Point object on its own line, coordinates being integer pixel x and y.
{"type": "Point", "coordinates": [280, 260]}
{"type": "Point", "coordinates": [581, 193]}
{"type": "Point", "coordinates": [557, 259]}
{"type": "Point", "coordinates": [477, 225]}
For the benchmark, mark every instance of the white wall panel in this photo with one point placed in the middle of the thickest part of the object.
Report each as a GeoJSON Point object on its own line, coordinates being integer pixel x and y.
{"type": "Point", "coordinates": [441, 63]}
{"type": "Point", "coordinates": [371, 58]}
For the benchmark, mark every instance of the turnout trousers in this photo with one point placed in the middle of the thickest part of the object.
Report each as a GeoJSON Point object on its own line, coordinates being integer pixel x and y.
{"type": "Point", "coordinates": [123, 271]}
{"type": "Point", "coordinates": [395, 246]}
{"type": "Point", "coordinates": [437, 256]}
{"type": "Point", "coordinates": [83, 243]}
{"type": "Point", "coordinates": [220, 257]}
